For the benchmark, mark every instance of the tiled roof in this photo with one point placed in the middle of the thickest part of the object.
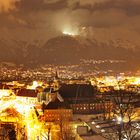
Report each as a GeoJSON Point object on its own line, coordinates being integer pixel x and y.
{"type": "Point", "coordinates": [27, 93]}
{"type": "Point", "coordinates": [57, 105]}
{"type": "Point", "coordinates": [76, 90]}
{"type": "Point", "coordinates": [4, 86]}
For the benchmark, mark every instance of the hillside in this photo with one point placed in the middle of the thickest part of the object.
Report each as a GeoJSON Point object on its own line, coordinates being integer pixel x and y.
{"type": "Point", "coordinates": [65, 50]}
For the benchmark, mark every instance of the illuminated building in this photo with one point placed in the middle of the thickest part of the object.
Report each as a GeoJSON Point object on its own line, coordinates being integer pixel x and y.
{"type": "Point", "coordinates": [90, 107]}
{"type": "Point", "coordinates": [56, 109]}
{"type": "Point", "coordinates": [6, 94]}
{"type": "Point", "coordinates": [106, 89]}
{"type": "Point", "coordinates": [56, 112]}
{"type": "Point", "coordinates": [48, 94]}
{"type": "Point", "coordinates": [27, 95]}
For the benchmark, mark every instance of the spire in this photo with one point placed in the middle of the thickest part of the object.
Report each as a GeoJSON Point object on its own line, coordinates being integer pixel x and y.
{"type": "Point", "coordinates": [56, 75]}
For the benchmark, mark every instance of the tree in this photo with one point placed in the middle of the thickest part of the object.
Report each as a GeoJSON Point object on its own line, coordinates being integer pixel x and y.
{"type": "Point", "coordinates": [48, 131]}
{"type": "Point", "coordinates": [65, 129]}
{"type": "Point", "coordinates": [124, 125]}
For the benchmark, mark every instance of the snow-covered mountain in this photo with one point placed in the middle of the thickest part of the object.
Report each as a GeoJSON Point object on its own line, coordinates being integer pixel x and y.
{"type": "Point", "coordinates": [67, 50]}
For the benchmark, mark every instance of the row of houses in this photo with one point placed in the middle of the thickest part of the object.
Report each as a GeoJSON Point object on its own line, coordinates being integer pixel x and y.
{"type": "Point", "coordinates": [69, 99]}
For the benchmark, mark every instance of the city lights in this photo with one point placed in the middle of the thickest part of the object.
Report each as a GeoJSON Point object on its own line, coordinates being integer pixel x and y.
{"type": "Point", "coordinates": [69, 69]}
{"type": "Point", "coordinates": [35, 85]}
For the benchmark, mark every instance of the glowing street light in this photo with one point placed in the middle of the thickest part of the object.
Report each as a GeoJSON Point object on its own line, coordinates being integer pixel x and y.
{"type": "Point", "coordinates": [119, 120]}
{"type": "Point", "coordinates": [93, 122]}
{"type": "Point", "coordinates": [97, 126]}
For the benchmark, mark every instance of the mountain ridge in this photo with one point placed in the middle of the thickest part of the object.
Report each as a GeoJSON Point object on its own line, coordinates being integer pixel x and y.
{"type": "Point", "coordinates": [65, 50]}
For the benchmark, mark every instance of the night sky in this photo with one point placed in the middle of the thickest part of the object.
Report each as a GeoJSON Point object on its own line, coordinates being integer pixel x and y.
{"type": "Point", "coordinates": [103, 20]}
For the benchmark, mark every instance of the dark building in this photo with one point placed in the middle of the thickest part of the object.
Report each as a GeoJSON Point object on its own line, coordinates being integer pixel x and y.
{"type": "Point", "coordinates": [4, 86]}
{"type": "Point", "coordinates": [57, 105]}
{"type": "Point", "coordinates": [69, 91]}
{"type": "Point", "coordinates": [27, 95]}
{"type": "Point", "coordinates": [82, 99]}
{"type": "Point", "coordinates": [56, 110]}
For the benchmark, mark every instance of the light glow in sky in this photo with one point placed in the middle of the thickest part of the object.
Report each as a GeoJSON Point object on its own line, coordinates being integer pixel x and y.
{"type": "Point", "coordinates": [71, 31]}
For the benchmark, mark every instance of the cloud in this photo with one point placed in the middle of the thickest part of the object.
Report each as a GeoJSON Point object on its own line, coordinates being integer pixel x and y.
{"type": "Point", "coordinates": [86, 2]}
{"type": "Point", "coordinates": [47, 18]}
{"type": "Point", "coordinates": [51, 1]}
{"type": "Point", "coordinates": [6, 5]}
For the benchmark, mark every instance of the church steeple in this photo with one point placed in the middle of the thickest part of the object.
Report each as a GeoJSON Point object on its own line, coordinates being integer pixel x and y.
{"type": "Point", "coordinates": [56, 81]}
{"type": "Point", "coordinates": [56, 75]}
